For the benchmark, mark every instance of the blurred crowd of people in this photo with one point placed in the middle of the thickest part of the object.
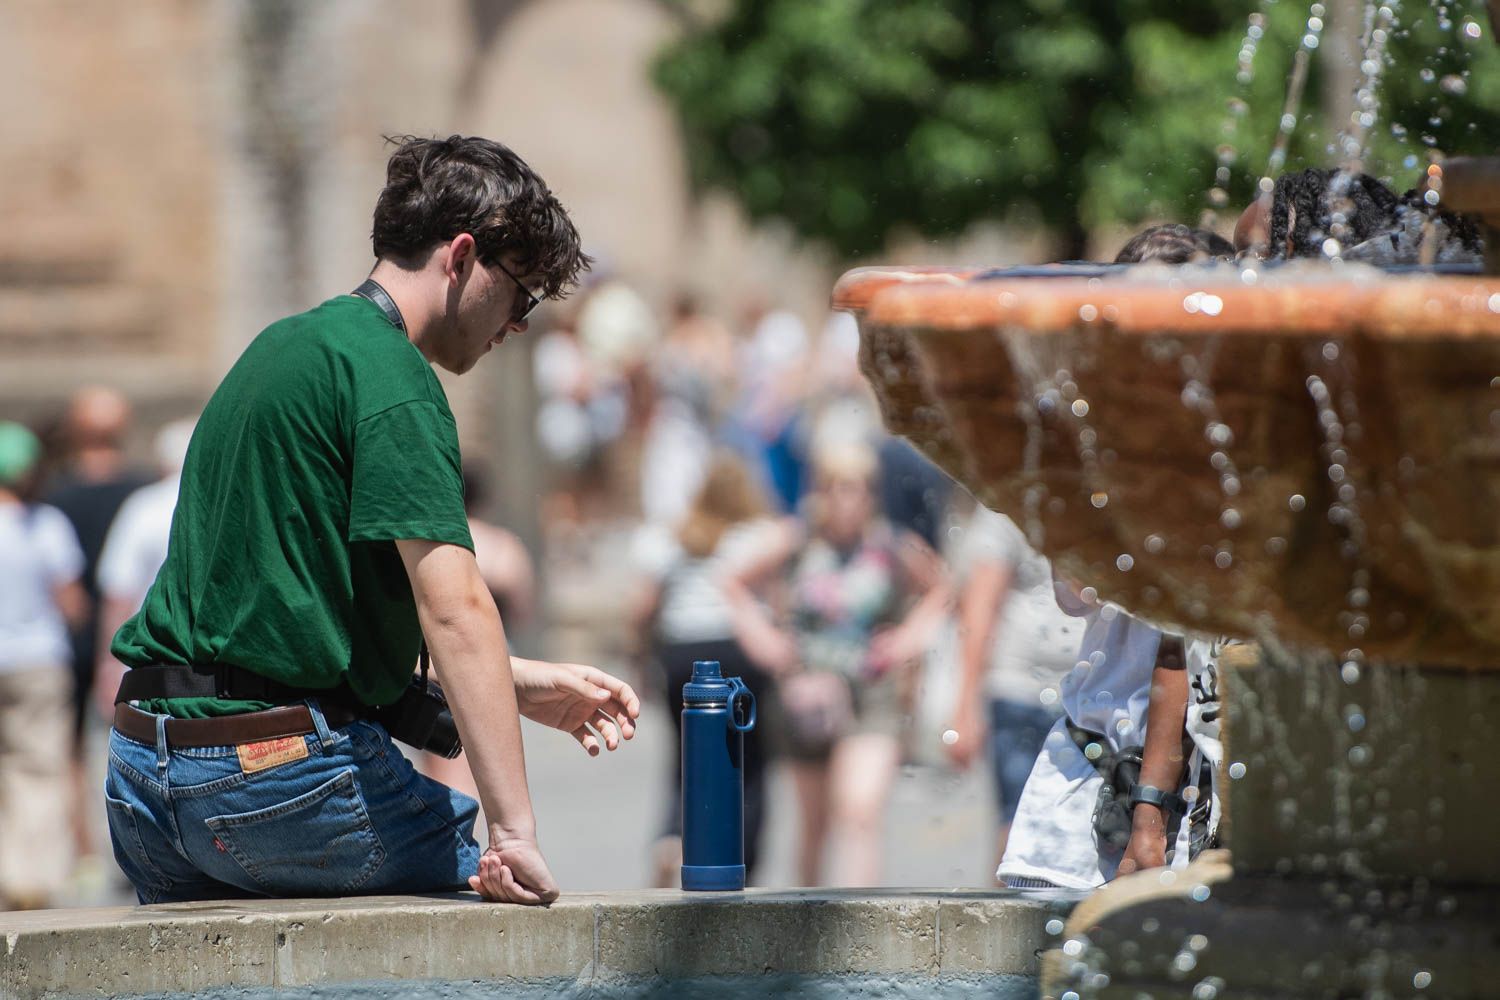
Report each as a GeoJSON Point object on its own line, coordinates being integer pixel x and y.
{"type": "Point", "coordinates": [82, 534]}
{"type": "Point", "coordinates": [878, 613]}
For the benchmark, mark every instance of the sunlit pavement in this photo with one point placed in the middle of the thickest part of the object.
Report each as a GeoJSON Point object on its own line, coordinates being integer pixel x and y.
{"type": "Point", "coordinates": [598, 818]}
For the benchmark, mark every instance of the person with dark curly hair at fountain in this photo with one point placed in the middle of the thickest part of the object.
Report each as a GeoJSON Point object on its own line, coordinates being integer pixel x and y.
{"type": "Point", "coordinates": [1322, 213]}
{"type": "Point", "coordinates": [320, 548]}
{"type": "Point", "coordinates": [1174, 243]}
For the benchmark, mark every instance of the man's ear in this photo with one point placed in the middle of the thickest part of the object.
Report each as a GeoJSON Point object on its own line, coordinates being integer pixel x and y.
{"type": "Point", "coordinates": [460, 258]}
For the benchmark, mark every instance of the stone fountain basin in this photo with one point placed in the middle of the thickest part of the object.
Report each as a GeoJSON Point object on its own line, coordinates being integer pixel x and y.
{"type": "Point", "coordinates": [1355, 414]}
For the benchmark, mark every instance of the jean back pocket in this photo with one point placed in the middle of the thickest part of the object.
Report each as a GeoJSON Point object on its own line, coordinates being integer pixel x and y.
{"type": "Point", "coordinates": [321, 843]}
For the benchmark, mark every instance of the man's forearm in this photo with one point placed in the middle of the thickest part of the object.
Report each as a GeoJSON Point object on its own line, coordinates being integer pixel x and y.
{"type": "Point", "coordinates": [1161, 757]}
{"type": "Point", "coordinates": [469, 649]}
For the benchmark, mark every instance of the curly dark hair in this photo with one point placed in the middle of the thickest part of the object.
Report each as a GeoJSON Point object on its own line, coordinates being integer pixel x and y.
{"type": "Point", "coordinates": [1303, 205]}
{"type": "Point", "coordinates": [436, 189]}
{"type": "Point", "coordinates": [1174, 243]}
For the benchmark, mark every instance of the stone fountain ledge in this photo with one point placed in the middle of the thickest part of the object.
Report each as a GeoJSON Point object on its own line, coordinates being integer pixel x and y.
{"type": "Point", "coordinates": [912, 941]}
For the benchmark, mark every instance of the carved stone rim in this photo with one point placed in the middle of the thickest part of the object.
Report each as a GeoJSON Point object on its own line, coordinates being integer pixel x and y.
{"type": "Point", "coordinates": [1161, 304]}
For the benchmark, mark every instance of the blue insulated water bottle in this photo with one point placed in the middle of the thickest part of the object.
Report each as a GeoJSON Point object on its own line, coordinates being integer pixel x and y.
{"type": "Point", "coordinates": [717, 712]}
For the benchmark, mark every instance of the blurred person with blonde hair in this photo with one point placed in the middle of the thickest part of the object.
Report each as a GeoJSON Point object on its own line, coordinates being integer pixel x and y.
{"type": "Point", "coordinates": [41, 564]}
{"type": "Point", "coordinates": [683, 615]}
{"type": "Point", "coordinates": [862, 601]}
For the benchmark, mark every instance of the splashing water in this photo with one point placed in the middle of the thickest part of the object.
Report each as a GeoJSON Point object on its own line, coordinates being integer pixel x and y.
{"type": "Point", "coordinates": [1237, 109]}
{"type": "Point", "coordinates": [1379, 22]}
{"type": "Point", "coordinates": [1198, 396]}
{"type": "Point", "coordinates": [1290, 110]}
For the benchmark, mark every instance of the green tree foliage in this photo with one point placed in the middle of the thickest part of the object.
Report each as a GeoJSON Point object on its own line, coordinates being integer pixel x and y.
{"type": "Point", "coordinates": [851, 117]}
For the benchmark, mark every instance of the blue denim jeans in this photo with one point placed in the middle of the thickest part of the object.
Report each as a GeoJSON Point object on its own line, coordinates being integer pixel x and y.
{"type": "Point", "coordinates": [1017, 732]}
{"type": "Point", "coordinates": [352, 817]}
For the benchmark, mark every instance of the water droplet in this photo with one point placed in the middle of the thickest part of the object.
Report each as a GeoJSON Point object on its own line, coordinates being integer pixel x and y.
{"type": "Point", "coordinates": [1454, 84]}
{"type": "Point", "coordinates": [1330, 351]}
{"type": "Point", "coordinates": [1423, 978]}
{"type": "Point", "coordinates": [1073, 947]}
{"type": "Point", "coordinates": [1080, 407]}
{"type": "Point", "coordinates": [1494, 304]}
{"type": "Point", "coordinates": [1432, 197]}
{"type": "Point", "coordinates": [1220, 434]}
{"type": "Point", "coordinates": [1472, 29]}
{"type": "Point", "coordinates": [1296, 502]}
{"type": "Point", "coordinates": [1230, 519]}
{"type": "Point", "coordinates": [950, 737]}
{"type": "Point", "coordinates": [1427, 74]}
{"type": "Point", "coordinates": [1356, 722]}
{"type": "Point", "coordinates": [1200, 895]}
{"type": "Point", "coordinates": [1349, 672]}
{"type": "Point", "coordinates": [1275, 545]}
{"type": "Point", "coordinates": [1208, 989]}
{"type": "Point", "coordinates": [1088, 312]}
{"type": "Point", "coordinates": [1125, 562]}
{"type": "Point", "coordinates": [1155, 544]}
{"type": "Point", "coordinates": [1223, 560]}
{"type": "Point", "coordinates": [1237, 770]}
{"type": "Point", "coordinates": [1048, 696]}
{"type": "Point", "coordinates": [1054, 926]}
{"type": "Point", "coordinates": [1359, 755]}
{"type": "Point", "coordinates": [1099, 500]}
{"type": "Point", "coordinates": [1336, 472]}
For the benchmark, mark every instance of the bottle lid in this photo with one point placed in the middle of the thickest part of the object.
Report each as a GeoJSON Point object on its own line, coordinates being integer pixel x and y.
{"type": "Point", "coordinates": [708, 686]}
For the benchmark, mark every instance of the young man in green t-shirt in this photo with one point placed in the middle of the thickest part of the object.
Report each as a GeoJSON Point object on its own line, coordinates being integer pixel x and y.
{"type": "Point", "coordinates": [319, 538]}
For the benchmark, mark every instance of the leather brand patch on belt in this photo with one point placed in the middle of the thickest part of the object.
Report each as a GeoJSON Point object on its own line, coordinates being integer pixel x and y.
{"type": "Point", "coordinates": [271, 753]}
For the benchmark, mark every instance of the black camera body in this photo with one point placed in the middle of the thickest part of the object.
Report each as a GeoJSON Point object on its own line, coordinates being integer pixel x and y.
{"type": "Point", "coordinates": [421, 718]}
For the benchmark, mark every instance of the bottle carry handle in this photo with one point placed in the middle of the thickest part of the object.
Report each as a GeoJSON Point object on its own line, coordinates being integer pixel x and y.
{"type": "Point", "coordinates": [738, 690]}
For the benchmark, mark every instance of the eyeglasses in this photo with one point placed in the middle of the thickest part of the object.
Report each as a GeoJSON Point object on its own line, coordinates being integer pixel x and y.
{"type": "Point", "coordinates": [531, 301]}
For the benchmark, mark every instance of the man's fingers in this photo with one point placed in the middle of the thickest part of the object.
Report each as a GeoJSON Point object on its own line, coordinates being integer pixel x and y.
{"type": "Point", "coordinates": [488, 882]}
{"type": "Point", "coordinates": [622, 693]}
{"type": "Point", "coordinates": [515, 891]}
{"type": "Point", "coordinates": [586, 737]}
{"type": "Point", "coordinates": [623, 720]}
{"type": "Point", "coordinates": [607, 729]}
{"type": "Point", "coordinates": [580, 685]}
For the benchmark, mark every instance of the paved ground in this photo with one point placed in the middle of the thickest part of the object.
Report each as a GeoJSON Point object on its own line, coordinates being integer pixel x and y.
{"type": "Point", "coordinates": [598, 817]}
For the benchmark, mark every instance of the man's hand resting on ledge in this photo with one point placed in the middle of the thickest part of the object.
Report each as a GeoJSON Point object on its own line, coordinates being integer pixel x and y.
{"type": "Point", "coordinates": [584, 702]}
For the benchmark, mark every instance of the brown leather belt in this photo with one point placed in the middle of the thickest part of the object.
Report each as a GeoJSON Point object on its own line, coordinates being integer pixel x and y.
{"type": "Point", "coordinates": [227, 730]}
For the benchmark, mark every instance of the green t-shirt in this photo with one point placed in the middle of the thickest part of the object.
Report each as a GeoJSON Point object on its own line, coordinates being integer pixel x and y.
{"type": "Point", "coordinates": [330, 438]}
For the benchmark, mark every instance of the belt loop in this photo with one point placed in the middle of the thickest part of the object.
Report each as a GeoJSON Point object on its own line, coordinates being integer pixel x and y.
{"type": "Point", "coordinates": [161, 745]}
{"type": "Point", "coordinates": [320, 724]}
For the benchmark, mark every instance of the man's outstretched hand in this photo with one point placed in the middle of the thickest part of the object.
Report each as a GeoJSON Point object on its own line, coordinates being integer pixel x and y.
{"type": "Point", "coordinates": [514, 872]}
{"type": "Point", "coordinates": [582, 701]}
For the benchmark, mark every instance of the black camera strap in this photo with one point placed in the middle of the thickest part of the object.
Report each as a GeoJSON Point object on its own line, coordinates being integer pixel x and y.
{"type": "Point", "coordinates": [371, 290]}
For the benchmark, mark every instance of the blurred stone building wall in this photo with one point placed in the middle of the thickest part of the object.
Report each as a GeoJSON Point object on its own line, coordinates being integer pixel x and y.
{"type": "Point", "coordinates": [178, 173]}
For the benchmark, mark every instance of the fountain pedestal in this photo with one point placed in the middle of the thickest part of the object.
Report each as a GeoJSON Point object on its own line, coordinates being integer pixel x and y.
{"type": "Point", "coordinates": [1361, 862]}
{"type": "Point", "coordinates": [1309, 455]}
